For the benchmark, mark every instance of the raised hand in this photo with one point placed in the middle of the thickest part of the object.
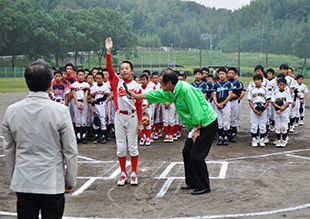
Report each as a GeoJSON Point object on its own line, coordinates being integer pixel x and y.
{"type": "Point", "coordinates": [109, 45]}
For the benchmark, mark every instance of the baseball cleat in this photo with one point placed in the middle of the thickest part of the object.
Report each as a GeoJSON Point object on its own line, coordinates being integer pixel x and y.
{"type": "Point", "coordinates": [148, 142]}
{"type": "Point", "coordinates": [123, 180]}
{"type": "Point", "coordinates": [261, 142]}
{"type": "Point", "coordinates": [254, 142]}
{"type": "Point", "coordinates": [225, 141]}
{"type": "Point", "coordinates": [278, 143]}
{"type": "Point", "coordinates": [156, 136]}
{"type": "Point", "coordinates": [133, 179]}
{"type": "Point", "coordinates": [175, 138]}
{"type": "Point", "coordinates": [220, 142]}
{"type": "Point", "coordinates": [170, 140]}
{"type": "Point", "coordinates": [292, 129]}
{"type": "Point", "coordinates": [166, 138]}
{"type": "Point", "coordinates": [266, 140]}
{"type": "Point", "coordinates": [142, 140]}
{"type": "Point", "coordinates": [283, 144]}
{"type": "Point", "coordinates": [301, 122]}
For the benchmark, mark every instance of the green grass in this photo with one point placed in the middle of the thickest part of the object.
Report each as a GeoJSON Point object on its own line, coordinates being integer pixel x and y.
{"type": "Point", "coordinates": [13, 85]}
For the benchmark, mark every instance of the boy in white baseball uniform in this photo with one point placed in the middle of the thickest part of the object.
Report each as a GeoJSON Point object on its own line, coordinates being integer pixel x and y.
{"type": "Point", "coordinates": [258, 97]}
{"type": "Point", "coordinates": [99, 94]}
{"type": "Point", "coordinates": [128, 116]}
{"type": "Point", "coordinates": [80, 90]}
{"type": "Point", "coordinates": [302, 99]}
{"type": "Point", "coordinates": [158, 120]}
{"type": "Point", "coordinates": [281, 112]}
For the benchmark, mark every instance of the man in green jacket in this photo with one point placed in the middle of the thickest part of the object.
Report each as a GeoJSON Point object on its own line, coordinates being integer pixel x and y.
{"type": "Point", "coordinates": [198, 116]}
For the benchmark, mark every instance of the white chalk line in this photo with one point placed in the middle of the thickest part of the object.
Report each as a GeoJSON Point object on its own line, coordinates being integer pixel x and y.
{"type": "Point", "coordinates": [1, 137]}
{"type": "Point", "coordinates": [299, 207]}
{"type": "Point", "coordinates": [291, 155]}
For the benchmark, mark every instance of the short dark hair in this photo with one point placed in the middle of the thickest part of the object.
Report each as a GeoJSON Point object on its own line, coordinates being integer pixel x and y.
{"type": "Point", "coordinates": [100, 73]}
{"type": "Point", "coordinates": [69, 64]}
{"type": "Point", "coordinates": [86, 69]}
{"type": "Point", "coordinates": [282, 80]}
{"type": "Point", "coordinates": [63, 68]}
{"type": "Point", "coordinates": [104, 69]}
{"type": "Point", "coordinates": [197, 70]}
{"type": "Point", "coordinates": [216, 78]}
{"type": "Point", "coordinates": [284, 66]}
{"type": "Point", "coordinates": [169, 75]}
{"type": "Point", "coordinates": [222, 69]}
{"type": "Point", "coordinates": [53, 68]}
{"type": "Point", "coordinates": [281, 76]}
{"type": "Point", "coordinates": [144, 76]}
{"type": "Point", "coordinates": [90, 74]}
{"type": "Point", "coordinates": [258, 76]}
{"type": "Point", "coordinates": [130, 64]}
{"type": "Point", "coordinates": [259, 67]}
{"type": "Point", "coordinates": [233, 69]}
{"type": "Point", "coordinates": [270, 70]}
{"type": "Point", "coordinates": [58, 72]}
{"type": "Point", "coordinates": [291, 69]}
{"type": "Point", "coordinates": [210, 76]}
{"type": "Point", "coordinates": [155, 73]}
{"type": "Point", "coordinates": [38, 75]}
{"type": "Point", "coordinates": [133, 76]}
{"type": "Point", "coordinates": [80, 70]}
{"type": "Point", "coordinates": [147, 72]}
{"type": "Point", "coordinates": [205, 69]}
{"type": "Point", "coordinates": [299, 76]}
{"type": "Point", "coordinates": [238, 72]}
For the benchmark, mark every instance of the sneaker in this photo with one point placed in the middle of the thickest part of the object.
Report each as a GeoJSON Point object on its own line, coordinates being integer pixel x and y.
{"type": "Point", "coordinates": [148, 142]}
{"type": "Point", "coordinates": [96, 141]}
{"type": "Point", "coordinates": [151, 140]}
{"type": "Point", "coordinates": [287, 138]}
{"type": "Point", "coordinates": [301, 122]}
{"type": "Point", "coordinates": [170, 140]}
{"type": "Point", "coordinates": [283, 144]}
{"type": "Point", "coordinates": [175, 138]}
{"type": "Point", "coordinates": [278, 143]}
{"type": "Point", "coordinates": [123, 180]}
{"type": "Point", "coordinates": [254, 142]}
{"type": "Point", "coordinates": [266, 140]}
{"type": "Point", "coordinates": [133, 179]}
{"type": "Point", "coordinates": [83, 140]}
{"type": "Point", "coordinates": [179, 134]}
{"type": "Point", "coordinates": [292, 129]}
{"type": "Point", "coordinates": [142, 140]}
{"type": "Point", "coordinates": [275, 142]}
{"type": "Point", "coordinates": [233, 138]}
{"type": "Point", "coordinates": [225, 141]}
{"type": "Point", "coordinates": [156, 136]}
{"type": "Point", "coordinates": [295, 124]}
{"type": "Point", "coordinates": [160, 134]}
{"type": "Point", "coordinates": [220, 142]}
{"type": "Point", "coordinates": [102, 140]}
{"type": "Point", "coordinates": [261, 142]}
{"type": "Point", "coordinates": [166, 138]}
{"type": "Point", "coordinates": [108, 138]}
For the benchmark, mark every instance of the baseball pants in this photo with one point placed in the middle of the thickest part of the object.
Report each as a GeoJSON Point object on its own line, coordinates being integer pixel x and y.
{"type": "Point", "coordinates": [169, 115]}
{"type": "Point", "coordinates": [81, 115]}
{"type": "Point", "coordinates": [234, 110]}
{"type": "Point", "coordinates": [223, 117]}
{"type": "Point", "coordinates": [101, 110]}
{"type": "Point", "coordinates": [281, 122]}
{"type": "Point", "coordinates": [258, 121]}
{"type": "Point", "coordinates": [126, 133]}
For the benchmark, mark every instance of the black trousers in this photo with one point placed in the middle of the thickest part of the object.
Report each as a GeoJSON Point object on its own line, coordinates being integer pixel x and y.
{"type": "Point", "coordinates": [194, 154]}
{"type": "Point", "coordinates": [29, 205]}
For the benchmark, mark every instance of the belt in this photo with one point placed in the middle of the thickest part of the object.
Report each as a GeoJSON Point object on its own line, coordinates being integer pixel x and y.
{"type": "Point", "coordinates": [59, 100]}
{"type": "Point", "coordinates": [126, 111]}
{"type": "Point", "coordinates": [80, 100]}
{"type": "Point", "coordinates": [99, 103]}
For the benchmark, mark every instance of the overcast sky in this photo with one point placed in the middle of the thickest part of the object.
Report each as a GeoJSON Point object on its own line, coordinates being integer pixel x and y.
{"type": "Point", "coordinates": [229, 4]}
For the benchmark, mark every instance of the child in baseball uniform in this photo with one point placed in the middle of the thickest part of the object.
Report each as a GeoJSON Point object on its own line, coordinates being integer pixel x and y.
{"type": "Point", "coordinates": [145, 135]}
{"type": "Point", "coordinates": [270, 110]}
{"type": "Point", "coordinates": [258, 97]}
{"type": "Point", "coordinates": [80, 90]}
{"type": "Point", "coordinates": [99, 94]}
{"type": "Point", "coordinates": [198, 83]}
{"type": "Point", "coordinates": [158, 120]}
{"type": "Point", "coordinates": [281, 115]}
{"type": "Point", "coordinates": [241, 95]}
{"type": "Point", "coordinates": [222, 93]}
{"type": "Point", "coordinates": [302, 99]}
{"type": "Point", "coordinates": [60, 90]}
{"type": "Point", "coordinates": [234, 103]}
{"type": "Point", "coordinates": [128, 116]}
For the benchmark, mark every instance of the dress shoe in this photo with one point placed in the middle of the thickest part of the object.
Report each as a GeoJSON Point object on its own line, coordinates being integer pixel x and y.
{"type": "Point", "coordinates": [187, 187]}
{"type": "Point", "coordinates": [200, 191]}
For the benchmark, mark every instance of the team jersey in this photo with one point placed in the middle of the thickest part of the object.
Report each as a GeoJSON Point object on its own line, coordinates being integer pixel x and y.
{"type": "Point", "coordinates": [98, 91]}
{"type": "Point", "coordinates": [108, 84]}
{"type": "Point", "coordinates": [146, 89]}
{"type": "Point", "coordinates": [303, 90]}
{"type": "Point", "coordinates": [79, 88]}
{"type": "Point", "coordinates": [59, 91]}
{"type": "Point", "coordinates": [152, 85]}
{"type": "Point", "coordinates": [271, 84]}
{"type": "Point", "coordinates": [291, 83]}
{"type": "Point", "coordinates": [284, 95]}
{"type": "Point", "coordinates": [252, 84]}
{"type": "Point", "coordinates": [202, 86]}
{"type": "Point", "coordinates": [259, 95]}
{"type": "Point", "coordinates": [237, 88]}
{"type": "Point", "coordinates": [122, 102]}
{"type": "Point", "coordinates": [158, 86]}
{"type": "Point", "coordinates": [71, 79]}
{"type": "Point", "coordinates": [222, 89]}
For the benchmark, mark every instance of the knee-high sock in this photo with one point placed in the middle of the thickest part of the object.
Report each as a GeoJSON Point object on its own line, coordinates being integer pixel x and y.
{"type": "Point", "coordinates": [134, 163]}
{"type": "Point", "coordinates": [166, 129]}
{"type": "Point", "coordinates": [122, 164]}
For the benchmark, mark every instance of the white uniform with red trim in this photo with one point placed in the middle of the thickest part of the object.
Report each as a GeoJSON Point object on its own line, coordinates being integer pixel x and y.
{"type": "Point", "coordinates": [158, 112]}
{"type": "Point", "coordinates": [150, 109]}
{"type": "Point", "coordinates": [128, 111]}
{"type": "Point", "coordinates": [81, 115]}
{"type": "Point", "coordinates": [110, 106]}
{"type": "Point", "coordinates": [98, 91]}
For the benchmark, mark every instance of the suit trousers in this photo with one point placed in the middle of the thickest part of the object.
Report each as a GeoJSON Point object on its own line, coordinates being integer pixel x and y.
{"type": "Point", "coordinates": [194, 154]}
{"type": "Point", "coordinates": [29, 205]}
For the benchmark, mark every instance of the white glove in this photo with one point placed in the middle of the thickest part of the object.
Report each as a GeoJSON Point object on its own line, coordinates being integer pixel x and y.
{"type": "Point", "coordinates": [190, 134]}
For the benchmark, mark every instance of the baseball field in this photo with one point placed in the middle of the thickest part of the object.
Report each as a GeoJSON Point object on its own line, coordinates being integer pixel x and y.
{"type": "Point", "coordinates": [246, 182]}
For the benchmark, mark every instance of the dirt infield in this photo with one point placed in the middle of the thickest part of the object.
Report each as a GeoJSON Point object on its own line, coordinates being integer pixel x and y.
{"type": "Point", "coordinates": [246, 182]}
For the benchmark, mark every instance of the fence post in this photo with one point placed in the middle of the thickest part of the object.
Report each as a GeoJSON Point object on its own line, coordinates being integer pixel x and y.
{"type": "Point", "coordinates": [14, 72]}
{"type": "Point", "coordinates": [6, 71]}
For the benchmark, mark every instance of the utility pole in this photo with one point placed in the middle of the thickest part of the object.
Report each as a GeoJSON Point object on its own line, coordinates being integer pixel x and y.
{"type": "Point", "coordinates": [261, 44]}
{"type": "Point", "coordinates": [305, 61]}
{"type": "Point", "coordinates": [220, 28]}
{"type": "Point", "coordinates": [200, 49]}
{"type": "Point", "coordinates": [239, 52]}
{"type": "Point", "coordinates": [267, 49]}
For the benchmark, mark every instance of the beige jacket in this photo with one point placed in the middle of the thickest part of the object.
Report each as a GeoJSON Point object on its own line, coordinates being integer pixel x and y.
{"type": "Point", "coordinates": [39, 141]}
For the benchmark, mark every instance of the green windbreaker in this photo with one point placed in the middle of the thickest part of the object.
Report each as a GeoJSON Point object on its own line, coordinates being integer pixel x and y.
{"type": "Point", "coordinates": [190, 103]}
